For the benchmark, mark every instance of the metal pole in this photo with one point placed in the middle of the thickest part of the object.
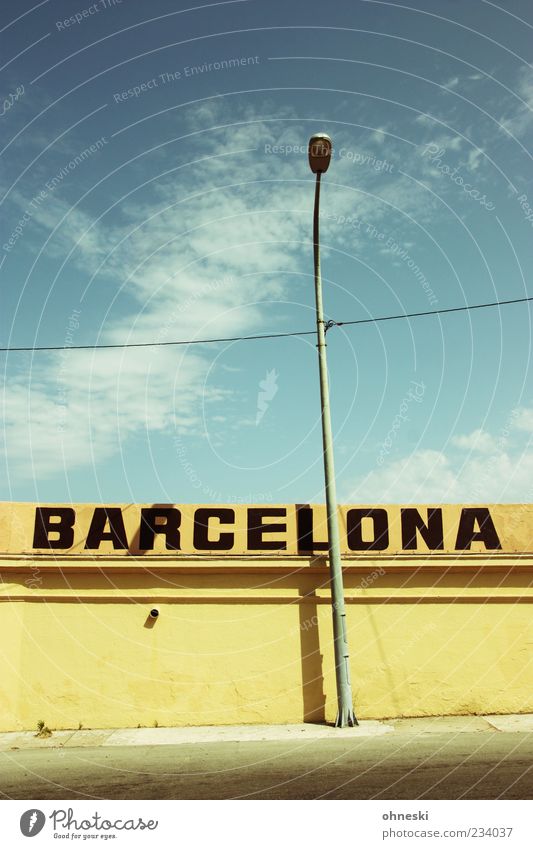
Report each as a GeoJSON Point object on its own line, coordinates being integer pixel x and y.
{"type": "Point", "coordinates": [345, 713]}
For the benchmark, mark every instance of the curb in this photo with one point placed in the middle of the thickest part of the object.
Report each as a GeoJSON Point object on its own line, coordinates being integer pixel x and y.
{"type": "Point", "coordinates": [19, 740]}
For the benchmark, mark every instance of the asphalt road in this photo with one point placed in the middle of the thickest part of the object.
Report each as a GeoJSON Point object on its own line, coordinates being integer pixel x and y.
{"type": "Point", "coordinates": [406, 766]}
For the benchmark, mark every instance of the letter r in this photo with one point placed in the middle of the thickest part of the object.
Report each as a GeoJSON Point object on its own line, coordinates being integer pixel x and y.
{"type": "Point", "coordinates": [150, 527]}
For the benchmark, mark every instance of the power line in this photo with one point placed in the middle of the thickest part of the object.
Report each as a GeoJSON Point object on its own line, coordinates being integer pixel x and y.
{"type": "Point", "coordinates": [435, 312]}
{"type": "Point", "coordinates": [264, 335]}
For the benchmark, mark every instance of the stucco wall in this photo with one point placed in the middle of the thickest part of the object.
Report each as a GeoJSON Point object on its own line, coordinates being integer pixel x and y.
{"type": "Point", "coordinates": [249, 639]}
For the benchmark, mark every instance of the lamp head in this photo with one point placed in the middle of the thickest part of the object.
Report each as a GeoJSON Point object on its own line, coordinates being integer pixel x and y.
{"type": "Point", "coordinates": [320, 147]}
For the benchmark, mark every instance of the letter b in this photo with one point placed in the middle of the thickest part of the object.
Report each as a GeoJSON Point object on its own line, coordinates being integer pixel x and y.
{"type": "Point", "coordinates": [63, 525]}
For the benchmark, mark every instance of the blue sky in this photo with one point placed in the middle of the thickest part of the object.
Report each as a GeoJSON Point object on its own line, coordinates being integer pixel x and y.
{"type": "Point", "coordinates": [155, 188]}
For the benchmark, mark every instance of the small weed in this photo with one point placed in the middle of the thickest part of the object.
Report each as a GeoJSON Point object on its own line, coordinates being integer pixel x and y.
{"type": "Point", "coordinates": [43, 730]}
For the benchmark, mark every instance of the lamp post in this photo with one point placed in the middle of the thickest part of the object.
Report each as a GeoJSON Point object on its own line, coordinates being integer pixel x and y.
{"type": "Point", "coordinates": [320, 147]}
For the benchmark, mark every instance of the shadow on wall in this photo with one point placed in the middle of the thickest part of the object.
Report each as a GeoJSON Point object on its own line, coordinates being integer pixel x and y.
{"type": "Point", "coordinates": [314, 698]}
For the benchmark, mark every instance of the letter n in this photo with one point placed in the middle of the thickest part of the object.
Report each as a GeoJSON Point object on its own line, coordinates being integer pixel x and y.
{"type": "Point", "coordinates": [431, 533]}
{"type": "Point", "coordinates": [487, 533]}
{"type": "Point", "coordinates": [63, 524]}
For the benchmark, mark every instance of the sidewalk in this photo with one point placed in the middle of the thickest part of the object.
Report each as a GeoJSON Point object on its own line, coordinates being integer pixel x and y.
{"type": "Point", "coordinates": [13, 740]}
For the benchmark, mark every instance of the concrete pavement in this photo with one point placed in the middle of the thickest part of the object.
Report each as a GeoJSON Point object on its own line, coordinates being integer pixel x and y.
{"type": "Point", "coordinates": [467, 765]}
{"type": "Point", "coordinates": [13, 740]}
{"type": "Point", "coordinates": [429, 758]}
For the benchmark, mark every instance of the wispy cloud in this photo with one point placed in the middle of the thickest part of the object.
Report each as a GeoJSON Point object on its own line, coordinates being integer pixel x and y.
{"type": "Point", "coordinates": [518, 119]}
{"type": "Point", "coordinates": [197, 253]}
{"type": "Point", "coordinates": [200, 251]}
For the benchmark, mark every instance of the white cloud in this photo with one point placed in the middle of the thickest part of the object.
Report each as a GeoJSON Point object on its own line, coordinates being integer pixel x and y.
{"type": "Point", "coordinates": [520, 117]}
{"type": "Point", "coordinates": [524, 419]}
{"type": "Point", "coordinates": [379, 134]}
{"type": "Point", "coordinates": [453, 82]}
{"type": "Point", "coordinates": [198, 252]}
{"type": "Point", "coordinates": [78, 408]}
{"type": "Point", "coordinates": [495, 469]}
{"type": "Point", "coordinates": [479, 440]}
{"type": "Point", "coordinates": [475, 158]}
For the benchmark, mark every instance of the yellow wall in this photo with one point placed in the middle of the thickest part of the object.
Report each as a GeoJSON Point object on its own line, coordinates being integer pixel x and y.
{"type": "Point", "coordinates": [249, 639]}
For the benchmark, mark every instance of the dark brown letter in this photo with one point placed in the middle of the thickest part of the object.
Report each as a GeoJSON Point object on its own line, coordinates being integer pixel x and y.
{"type": "Point", "coordinates": [256, 528]}
{"type": "Point", "coordinates": [466, 534]}
{"type": "Point", "coordinates": [150, 527]}
{"type": "Point", "coordinates": [64, 526]}
{"type": "Point", "coordinates": [354, 520]}
{"type": "Point", "coordinates": [201, 540]}
{"type": "Point", "coordinates": [432, 533]}
{"type": "Point", "coordinates": [116, 533]}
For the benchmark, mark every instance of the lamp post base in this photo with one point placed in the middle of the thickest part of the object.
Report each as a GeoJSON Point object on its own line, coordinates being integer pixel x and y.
{"type": "Point", "coordinates": [346, 718]}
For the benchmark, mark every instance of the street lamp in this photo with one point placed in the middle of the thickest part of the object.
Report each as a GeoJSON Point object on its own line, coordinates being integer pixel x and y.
{"type": "Point", "coordinates": [320, 147]}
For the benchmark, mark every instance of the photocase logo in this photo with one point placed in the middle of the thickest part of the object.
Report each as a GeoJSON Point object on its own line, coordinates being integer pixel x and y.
{"type": "Point", "coordinates": [268, 387]}
{"type": "Point", "coordinates": [32, 822]}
